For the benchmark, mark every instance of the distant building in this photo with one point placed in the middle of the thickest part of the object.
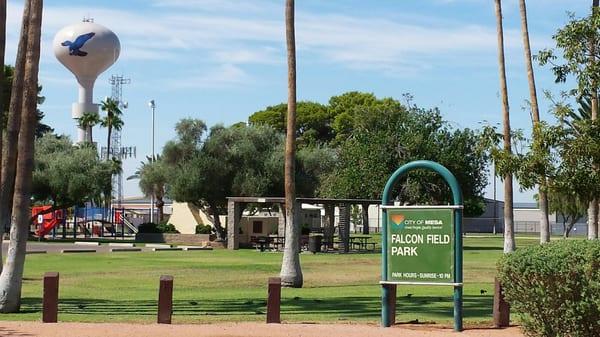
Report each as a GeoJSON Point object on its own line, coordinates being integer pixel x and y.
{"type": "Point", "coordinates": [137, 209]}
{"type": "Point", "coordinates": [491, 221]}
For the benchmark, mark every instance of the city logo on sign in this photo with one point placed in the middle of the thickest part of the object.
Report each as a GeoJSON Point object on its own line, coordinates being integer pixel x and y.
{"type": "Point", "coordinates": [75, 46]}
{"type": "Point", "coordinates": [398, 220]}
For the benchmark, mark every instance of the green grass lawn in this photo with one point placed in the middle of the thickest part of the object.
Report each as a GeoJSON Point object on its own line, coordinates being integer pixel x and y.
{"type": "Point", "coordinates": [223, 285]}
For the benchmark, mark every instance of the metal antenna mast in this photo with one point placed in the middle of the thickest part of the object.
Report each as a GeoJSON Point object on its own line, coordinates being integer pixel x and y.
{"type": "Point", "coordinates": [117, 82]}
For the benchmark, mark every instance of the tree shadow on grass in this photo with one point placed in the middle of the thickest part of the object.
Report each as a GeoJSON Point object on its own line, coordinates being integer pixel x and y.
{"type": "Point", "coordinates": [330, 308]}
{"type": "Point", "coordinates": [481, 248]}
{"type": "Point", "coordinates": [13, 333]}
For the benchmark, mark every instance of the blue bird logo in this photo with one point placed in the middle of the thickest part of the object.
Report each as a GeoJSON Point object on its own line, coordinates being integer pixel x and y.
{"type": "Point", "coordinates": [75, 46]}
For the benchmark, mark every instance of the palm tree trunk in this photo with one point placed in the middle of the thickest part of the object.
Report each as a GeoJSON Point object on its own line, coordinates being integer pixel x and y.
{"type": "Point", "coordinates": [291, 272]}
{"type": "Point", "coordinates": [9, 150]}
{"type": "Point", "coordinates": [593, 205]}
{"type": "Point", "coordinates": [2, 89]}
{"type": "Point", "coordinates": [88, 131]}
{"type": "Point", "coordinates": [159, 206]}
{"type": "Point", "coordinates": [108, 156]}
{"type": "Point", "coordinates": [509, 235]}
{"type": "Point", "coordinates": [365, 218]}
{"type": "Point", "coordinates": [535, 116]}
{"type": "Point", "coordinates": [12, 275]}
{"type": "Point", "coordinates": [2, 78]}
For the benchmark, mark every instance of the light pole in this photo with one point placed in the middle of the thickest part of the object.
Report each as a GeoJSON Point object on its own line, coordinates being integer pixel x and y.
{"type": "Point", "coordinates": [152, 106]}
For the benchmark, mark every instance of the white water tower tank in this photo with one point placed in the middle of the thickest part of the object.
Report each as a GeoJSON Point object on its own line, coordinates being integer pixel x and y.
{"type": "Point", "coordinates": [87, 49]}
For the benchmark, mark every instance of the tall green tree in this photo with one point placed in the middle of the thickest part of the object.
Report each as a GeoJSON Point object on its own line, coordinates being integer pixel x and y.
{"type": "Point", "coordinates": [509, 235]}
{"type": "Point", "coordinates": [313, 121]}
{"type": "Point", "coordinates": [56, 157]}
{"type": "Point", "coordinates": [153, 177]}
{"type": "Point", "coordinates": [564, 200]}
{"type": "Point", "coordinates": [291, 271]}
{"type": "Point", "coordinates": [11, 277]}
{"type": "Point", "coordinates": [240, 161]}
{"type": "Point", "coordinates": [6, 88]}
{"type": "Point", "coordinates": [13, 124]}
{"type": "Point", "coordinates": [395, 137]}
{"type": "Point", "coordinates": [535, 116]}
{"type": "Point", "coordinates": [111, 121]}
{"type": "Point", "coordinates": [577, 54]}
{"type": "Point", "coordinates": [87, 121]}
{"type": "Point", "coordinates": [4, 84]}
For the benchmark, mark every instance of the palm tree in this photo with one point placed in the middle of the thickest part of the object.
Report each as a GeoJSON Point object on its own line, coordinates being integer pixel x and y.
{"type": "Point", "coordinates": [12, 274]}
{"type": "Point", "coordinates": [535, 115]}
{"type": "Point", "coordinates": [509, 235]}
{"type": "Point", "coordinates": [2, 76]}
{"type": "Point", "coordinates": [291, 272]}
{"type": "Point", "coordinates": [11, 135]}
{"type": "Point", "coordinates": [153, 179]}
{"type": "Point", "coordinates": [593, 205]}
{"type": "Point", "coordinates": [112, 120]}
{"type": "Point", "coordinates": [2, 89]}
{"type": "Point", "coordinates": [87, 121]}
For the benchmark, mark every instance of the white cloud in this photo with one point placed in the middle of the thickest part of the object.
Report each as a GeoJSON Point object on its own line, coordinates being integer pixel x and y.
{"type": "Point", "coordinates": [183, 31]}
{"type": "Point", "coordinates": [224, 76]}
{"type": "Point", "coordinates": [219, 5]}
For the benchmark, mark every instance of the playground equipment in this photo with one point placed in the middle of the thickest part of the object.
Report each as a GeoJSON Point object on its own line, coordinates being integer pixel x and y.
{"type": "Point", "coordinates": [86, 221]}
{"type": "Point", "coordinates": [87, 49]}
{"type": "Point", "coordinates": [97, 221]}
{"type": "Point", "coordinates": [47, 222]}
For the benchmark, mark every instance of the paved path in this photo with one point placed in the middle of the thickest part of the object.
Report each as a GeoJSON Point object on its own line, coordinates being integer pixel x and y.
{"type": "Point", "coordinates": [29, 329]}
{"type": "Point", "coordinates": [57, 247]}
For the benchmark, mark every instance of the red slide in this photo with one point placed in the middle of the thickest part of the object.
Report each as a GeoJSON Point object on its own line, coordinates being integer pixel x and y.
{"type": "Point", "coordinates": [45, 222]}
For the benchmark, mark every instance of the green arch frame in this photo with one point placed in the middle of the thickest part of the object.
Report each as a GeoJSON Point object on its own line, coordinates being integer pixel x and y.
{"type": "Point", "coordinates": [386, 200]}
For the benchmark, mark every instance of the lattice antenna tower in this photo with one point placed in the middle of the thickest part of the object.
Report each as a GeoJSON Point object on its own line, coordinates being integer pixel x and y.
{"type": "Point", "coordinates": [117, 82]}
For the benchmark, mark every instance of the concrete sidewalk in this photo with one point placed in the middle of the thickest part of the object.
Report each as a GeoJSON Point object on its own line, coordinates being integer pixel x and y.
{"type": "Point", "coordinates": [30, 329]}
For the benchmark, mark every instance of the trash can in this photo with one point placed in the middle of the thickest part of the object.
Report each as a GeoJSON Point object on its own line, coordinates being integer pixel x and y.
{"type": "Point", "coordinates": [314, 243]}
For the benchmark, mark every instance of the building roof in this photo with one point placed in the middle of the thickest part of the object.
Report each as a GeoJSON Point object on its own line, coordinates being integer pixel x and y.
{"type": "Point", "coordinates": [525, 205]}
{"type": "Point", "coordinates": [142, 200]}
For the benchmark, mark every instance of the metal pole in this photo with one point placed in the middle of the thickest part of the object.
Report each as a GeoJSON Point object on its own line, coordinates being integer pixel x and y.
{"type": "Point", "coordinates": [153, 106]}
{"type": "Point", "coordinates": [458, 269]}
{"type": "Point", "coordinates": [495, 202]}
{"type": "Point", "coordinates": [385, 291]}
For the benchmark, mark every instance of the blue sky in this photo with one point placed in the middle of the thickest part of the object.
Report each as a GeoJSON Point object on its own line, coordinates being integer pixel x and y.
{"type": "Point", "coordinates": [222, 60]}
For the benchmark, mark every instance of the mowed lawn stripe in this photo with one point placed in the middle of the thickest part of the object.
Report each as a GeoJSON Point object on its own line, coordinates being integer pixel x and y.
{"type": "Point", "coordinates": [223, 285]}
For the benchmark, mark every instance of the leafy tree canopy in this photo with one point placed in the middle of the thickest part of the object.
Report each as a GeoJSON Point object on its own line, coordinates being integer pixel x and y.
{"type": "Point", "coordinates": [388, 135]}
{"type": "Point", "coordinates": [56, 158]}
{"type": "Point", "coordinates": [41, 128]}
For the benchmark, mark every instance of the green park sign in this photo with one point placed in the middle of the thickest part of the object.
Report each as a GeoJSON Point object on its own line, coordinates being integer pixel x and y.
{"type": "Point", "coordinates": [420, 244]}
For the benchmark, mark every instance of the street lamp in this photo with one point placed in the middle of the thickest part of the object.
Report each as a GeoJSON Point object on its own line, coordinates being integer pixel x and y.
{"type": "Point", "coordinates": [152, 106]}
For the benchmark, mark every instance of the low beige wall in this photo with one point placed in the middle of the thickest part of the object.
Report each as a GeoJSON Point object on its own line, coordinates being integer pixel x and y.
{"type": "Point", "coordinates": [181, 239]}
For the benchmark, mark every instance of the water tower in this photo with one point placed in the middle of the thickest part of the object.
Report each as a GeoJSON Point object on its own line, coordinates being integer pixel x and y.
{"type": "Point", "coordinates": [87, 49]}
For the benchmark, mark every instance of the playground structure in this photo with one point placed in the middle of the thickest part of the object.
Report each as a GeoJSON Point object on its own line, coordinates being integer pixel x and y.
{"type": "Point", "coordinates": [87, 222]}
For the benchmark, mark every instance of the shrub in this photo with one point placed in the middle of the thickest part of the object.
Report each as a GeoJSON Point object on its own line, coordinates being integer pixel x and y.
{"type": "Point", "coordinates": [555, 287]}
{"type": "Point", "coordinates": [203, 229]}
{"type": "Point", "coordinates": [167, 228]}
{"type": "Point", "coordinates": [150, 227]}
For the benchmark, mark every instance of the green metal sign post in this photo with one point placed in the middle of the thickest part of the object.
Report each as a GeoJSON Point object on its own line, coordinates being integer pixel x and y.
{"type": "Point", "coordinates": [422, 244]}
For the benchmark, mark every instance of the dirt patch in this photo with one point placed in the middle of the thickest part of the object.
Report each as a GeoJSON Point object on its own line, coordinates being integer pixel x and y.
{"type": "Point", "coordinates": [30, 329]}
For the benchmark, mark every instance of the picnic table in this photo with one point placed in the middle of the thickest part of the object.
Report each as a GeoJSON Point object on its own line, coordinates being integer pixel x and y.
{"type": "Point", "coordinates": [362, 243]}
{"type": "Point", "coordinates": [263, 243]}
